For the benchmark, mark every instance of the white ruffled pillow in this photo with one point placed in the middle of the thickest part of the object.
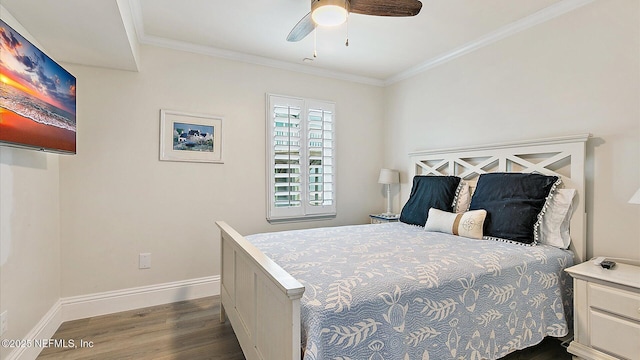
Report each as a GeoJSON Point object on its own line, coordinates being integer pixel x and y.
{"type": "Point", "coordinates": [468, 224]}
{"type": "Point", "coordinates": [554, 227]}
{"type": "Point", "coordinates": [463, 198]}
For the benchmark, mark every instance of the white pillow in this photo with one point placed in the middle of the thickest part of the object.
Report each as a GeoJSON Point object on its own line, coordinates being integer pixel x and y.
{"type": "Point", "coordinates": [554, 227]}
{"type": "Point", "coordinates": [463, 198]}
{"type": "Point", "coordinates": [468, 224]}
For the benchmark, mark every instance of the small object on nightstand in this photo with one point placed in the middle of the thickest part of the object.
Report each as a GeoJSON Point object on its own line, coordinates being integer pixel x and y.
{"type": "Point", "coordinates": [384, 218]}
{"type": "Point", "coordinates": [604, 262]}
{"type": "Point", "coordinates": [608, 264]}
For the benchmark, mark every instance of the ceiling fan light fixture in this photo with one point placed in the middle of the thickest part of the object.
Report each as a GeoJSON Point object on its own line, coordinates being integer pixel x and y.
{"type": "Point", "coordinates": [329, 12]}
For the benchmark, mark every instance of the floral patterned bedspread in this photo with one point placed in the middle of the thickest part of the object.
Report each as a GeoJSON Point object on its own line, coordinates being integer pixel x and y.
{"type": "Point", "coordinates": [396, 292]}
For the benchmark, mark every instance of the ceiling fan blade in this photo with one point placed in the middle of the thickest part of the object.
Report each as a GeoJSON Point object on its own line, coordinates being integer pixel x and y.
{"type": "Point", "coordinates": [386, 7]}
{"type": "Point", "coordinates": [303, 28]}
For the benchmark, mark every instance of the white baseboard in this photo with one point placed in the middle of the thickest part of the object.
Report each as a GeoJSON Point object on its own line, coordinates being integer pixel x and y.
{"type": "Point", "coordinates": [45, 329]}
{"type": "Point", "coordinates": [84, 306]}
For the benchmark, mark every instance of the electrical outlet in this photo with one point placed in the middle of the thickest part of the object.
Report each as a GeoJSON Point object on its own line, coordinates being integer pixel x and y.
{"type": "Point", "coordinates": [4, 326]}
{"type": "Point", "coordinates": [144, 261]}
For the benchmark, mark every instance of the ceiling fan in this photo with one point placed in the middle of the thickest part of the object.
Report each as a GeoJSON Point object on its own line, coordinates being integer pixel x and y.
{"type": "Point", "coordinates": [334, 12]}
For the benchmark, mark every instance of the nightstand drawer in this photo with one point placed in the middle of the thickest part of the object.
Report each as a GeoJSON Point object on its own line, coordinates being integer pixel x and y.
{"type": "Point", "coordinates": [615, 301]}
{"type": "Point", "coordinates": [615, 336]}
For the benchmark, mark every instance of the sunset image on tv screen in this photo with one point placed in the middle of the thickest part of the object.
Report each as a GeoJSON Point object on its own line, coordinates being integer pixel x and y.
{"type": "Point", "coordinates": [37, 97]}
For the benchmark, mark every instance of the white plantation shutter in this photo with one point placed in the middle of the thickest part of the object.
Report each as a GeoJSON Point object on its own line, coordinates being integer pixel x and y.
{"type": "Point", "coordinates": [286, 164]}
{"type": "Point", "coordinates": [301, 164]}
{"type": "Point", "coordinates": [320, 156]}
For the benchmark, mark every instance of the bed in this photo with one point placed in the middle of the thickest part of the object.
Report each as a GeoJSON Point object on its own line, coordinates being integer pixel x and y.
{"type": "Point", "coordinates": [396, 291]}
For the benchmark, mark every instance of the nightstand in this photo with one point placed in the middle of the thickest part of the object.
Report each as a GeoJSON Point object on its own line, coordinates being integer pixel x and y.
{"type": "Point", "coordinates": [381, 218]}
{"type": "Point", "coordinates": [606, 311]}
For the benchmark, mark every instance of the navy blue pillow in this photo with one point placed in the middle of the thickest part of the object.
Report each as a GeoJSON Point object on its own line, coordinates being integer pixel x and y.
{"type": "Point", "coordinates": [513, 202]}
{"type": "Point", "coordinates": [429, 192]}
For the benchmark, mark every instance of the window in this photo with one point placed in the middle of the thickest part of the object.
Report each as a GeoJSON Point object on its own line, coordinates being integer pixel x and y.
{"type": "Point", "coordinates": [301, 158]}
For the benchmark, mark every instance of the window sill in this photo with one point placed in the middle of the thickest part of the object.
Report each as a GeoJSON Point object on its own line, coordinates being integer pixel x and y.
{"type": "Point", "coordinates": [295, 219]}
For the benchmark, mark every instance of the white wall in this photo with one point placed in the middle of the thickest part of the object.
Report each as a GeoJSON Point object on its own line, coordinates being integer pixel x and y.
{"type": "Point", "coordinates": [29, 231]}
{"type": "Point", "coordinates": [118, 199]}
{"type": "Point", "coordinates": [578, 73]}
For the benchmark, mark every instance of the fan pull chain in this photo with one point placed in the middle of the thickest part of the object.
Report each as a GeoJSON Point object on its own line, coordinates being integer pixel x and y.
{"type": "Point", "coordinates": [347, 42]}
{"type": "Point", "coordinates": [315, 37]}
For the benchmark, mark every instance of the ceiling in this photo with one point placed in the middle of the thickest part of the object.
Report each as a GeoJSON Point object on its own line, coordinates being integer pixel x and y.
{"type": "Point", "coordinates": [382, 50]}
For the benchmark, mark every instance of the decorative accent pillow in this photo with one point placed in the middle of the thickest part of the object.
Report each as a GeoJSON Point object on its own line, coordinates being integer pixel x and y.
{"type": "Point", "coordinates": [429, 192]}
{"type": "Point", "coordinates": [463, 198]}
{"type": "Point", "coordinates": [554, 228]}
{"type": "Point", "coordinates": [468, 224]}
{"type": "Point", "coordinates": [514, 203]}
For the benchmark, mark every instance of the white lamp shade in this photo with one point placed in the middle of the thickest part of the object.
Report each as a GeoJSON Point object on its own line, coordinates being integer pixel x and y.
{"type": "Point", "coordinates": [635, 199]}
{"type": "Point", "coordinates": [329, 12]}
{"type": "Point", "coordinates": [388, 176]}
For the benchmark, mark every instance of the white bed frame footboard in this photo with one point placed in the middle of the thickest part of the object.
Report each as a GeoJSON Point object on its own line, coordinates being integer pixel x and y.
{"type": "Point", "coordinates": [261, 300]}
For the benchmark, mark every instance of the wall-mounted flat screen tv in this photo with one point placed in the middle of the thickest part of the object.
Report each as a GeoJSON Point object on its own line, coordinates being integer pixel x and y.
{"type": "Point", "coordinates": [37, 97]}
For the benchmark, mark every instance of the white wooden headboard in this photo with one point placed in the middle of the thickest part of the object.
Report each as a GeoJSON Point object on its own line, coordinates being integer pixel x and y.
{"type": "Point", "coordinates": [560, 156]}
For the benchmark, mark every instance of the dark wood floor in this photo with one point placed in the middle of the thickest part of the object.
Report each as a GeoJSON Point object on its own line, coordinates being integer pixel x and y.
{"type": "Point", "coordinates": [187, 330]}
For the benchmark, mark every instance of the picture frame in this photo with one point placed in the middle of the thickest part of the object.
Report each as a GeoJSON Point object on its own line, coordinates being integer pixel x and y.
{"type": "Point", "coordinates": [192, 137]}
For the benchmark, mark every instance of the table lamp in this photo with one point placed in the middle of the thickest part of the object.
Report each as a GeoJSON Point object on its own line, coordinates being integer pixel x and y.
{"type": "Point", "coordinates": [388, 177]}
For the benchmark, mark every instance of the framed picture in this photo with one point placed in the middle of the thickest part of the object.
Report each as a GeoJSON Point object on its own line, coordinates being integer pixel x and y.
{"type": "Point", "coordinates": [190, 137]}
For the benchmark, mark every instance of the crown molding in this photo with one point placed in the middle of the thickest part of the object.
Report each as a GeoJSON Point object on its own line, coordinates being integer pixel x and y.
{"type": "Point", "coordinates": [128, 22]}
{"type": "Point", "coordinates": [255, 60]}
{"type": "Point", "coordinates": [541, 16]}
{"type": "Point", "coordinates": [146, 39]}
{"type": "Point", "coordinates": [544, 15]}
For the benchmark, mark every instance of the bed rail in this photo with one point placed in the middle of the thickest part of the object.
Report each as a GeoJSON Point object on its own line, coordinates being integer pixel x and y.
{"type": "Point", "coordinates": [261, 300]}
